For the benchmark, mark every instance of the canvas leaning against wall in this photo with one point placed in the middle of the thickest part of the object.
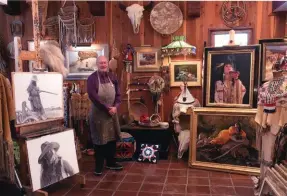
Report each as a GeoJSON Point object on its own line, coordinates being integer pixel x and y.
{"type": "Point", "coordinates": [38, 97]}
{"type": "Point", "coordinates": [224, 139]}
{"type": "Point", "coordinates": [52, 158]}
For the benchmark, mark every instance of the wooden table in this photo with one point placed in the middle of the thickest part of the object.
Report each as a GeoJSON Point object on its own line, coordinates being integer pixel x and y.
{"type": "Point", "coordinates": [150, 135]}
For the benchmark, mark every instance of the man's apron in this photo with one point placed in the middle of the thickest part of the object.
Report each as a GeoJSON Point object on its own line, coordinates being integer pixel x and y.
{"type": "Point", "coordinates": [104, 127]}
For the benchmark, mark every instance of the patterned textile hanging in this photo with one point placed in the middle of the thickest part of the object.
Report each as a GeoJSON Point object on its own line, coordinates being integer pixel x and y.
{"type": "Point", "coordinates": [86, 30]}
{"type": "Point", "coordinates": [68, 25]}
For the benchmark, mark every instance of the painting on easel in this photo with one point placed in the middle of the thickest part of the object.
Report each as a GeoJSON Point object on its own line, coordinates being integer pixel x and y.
{"type": "Point", "coordinates": [38, 97]}
{"type": "Point", "coordinates": [52, 158]}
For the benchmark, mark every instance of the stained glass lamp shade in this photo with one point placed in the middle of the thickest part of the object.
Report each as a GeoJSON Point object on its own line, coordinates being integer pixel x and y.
{"type": "Point", "coordinates": [178, 47]}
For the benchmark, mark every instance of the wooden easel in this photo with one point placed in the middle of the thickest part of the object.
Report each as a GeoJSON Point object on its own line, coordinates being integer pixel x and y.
{"type": "Point", "coordinates": [39, 129]}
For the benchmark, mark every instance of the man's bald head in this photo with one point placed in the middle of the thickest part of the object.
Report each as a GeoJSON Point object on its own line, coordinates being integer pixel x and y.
{"type": "Point", "coordinates": [102, 63]}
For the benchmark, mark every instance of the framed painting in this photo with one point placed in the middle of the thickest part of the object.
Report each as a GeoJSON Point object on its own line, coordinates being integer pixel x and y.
{"type": "Point", "coordinates": [231, 76]}
{"type": "Point", "coordinates": [59, 147]}
{"type": "Point", "coordinates": [189, 71]}
{"type": "Point", "coordinates": [147, 59]}
{"type": "Point", "coordinates": [38, 97]}
{"type": "Point", "coordinates": [271, 50]}
{"type": "Point", "coordinates": [81, 60]}
{"type": "Point", "coordinates": [224, 139]}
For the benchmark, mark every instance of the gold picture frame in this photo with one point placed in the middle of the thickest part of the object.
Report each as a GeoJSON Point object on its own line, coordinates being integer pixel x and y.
{"type": "Point", "coordinates": [147, 59]}
{"type": "Point", "coordinates": [242, 60]}
{"type": "Point", "coordinates": [205, 135]}
{"type": "Point", "coordinates": [192, 68]}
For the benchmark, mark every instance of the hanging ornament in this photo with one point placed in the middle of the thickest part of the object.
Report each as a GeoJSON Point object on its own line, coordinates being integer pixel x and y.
{"type": "Point", "coordinates": [233, 13]}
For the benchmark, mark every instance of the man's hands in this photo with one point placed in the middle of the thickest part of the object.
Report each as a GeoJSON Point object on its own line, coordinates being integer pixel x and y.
{"type": "Point", "coordinates": [112, 110]}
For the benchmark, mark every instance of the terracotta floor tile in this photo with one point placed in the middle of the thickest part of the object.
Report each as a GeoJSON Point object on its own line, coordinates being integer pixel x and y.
{"type": "Point", "coordinates": [128, 186]}
{"type": "Point", "coordinates": [176, 180]}
{"type": "Point", "coordinates": [140, 171]}
{"type": "Point", "coordinates": [101, 193]}
{"type": "Point", "coordinates": [220, 182]}
{"type": "Point", "coordinates": [91, 177]}
{"type": "Point", "coordinates": [239, 176]}
{"type": "Point", "coordinates": [154, 179]}
{"type": "Point", "coordinates": [125, 193]}
{"type": "Point", "coordinates": [160, 166]}
{"type": "Point", "coordinates": [108, 185]}
{"type": "Point", "coordinates": [244, 191]}
{"type": "Point", "coordinates": [242, 182]}
{"type": "Point", "coordinates": [180, 165]}
{"type": "Point", "coordinates": [91, 184]}
{"type": "Point", "coordinates": [174, 188]}
{"type": "Point", "coordinates": [148, 194]}
{"type": "Point", "coordinates": [156, 172]}
{"type": "Point", "coordinates": [113, 177]}
{"type": "Point", "coordinates": [172, 194]}
{"type": "Point", "coordinates": [222, 190]}
{"type": "Point", "coordinates": [194, 173]}
{"type": "Point", "coordinates": [154, 188]}
{"type": "Point", "coordinates": [141, 165]}
{"type": "Point", "coordinates": [133, 178]}
{"type": "Point", "coordinates": [177, 172]}
{"type": "Point", "coordinates": [77, 190]}
{"type": "Point", "coordinates": [199, 181]}
{"type": "Point", "coordinates": [215, 174]}
{"type": "Point", "coordinates": [198, 189]}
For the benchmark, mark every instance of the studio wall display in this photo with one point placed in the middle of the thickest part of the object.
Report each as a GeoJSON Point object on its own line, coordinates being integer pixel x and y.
{"type": "Point", "coordinates": [38, 97]}
{"type": "Point", "coordinates": [231, 76]}
{"type": "Point", "coordinates": [52, 158]}
{"type": "Point", "coordinates": [81, 60]}
{"type": "Point", "coordinates": [189, 71]}
{"type": "Point", "coordinates": [147, 59]}
{"type": "Point", "coordinates": [224, 139]}
{"type": "Point", "coordinates": [271, 51]}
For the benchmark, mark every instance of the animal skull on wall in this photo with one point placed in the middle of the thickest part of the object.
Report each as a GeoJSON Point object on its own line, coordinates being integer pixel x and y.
{"type": "Point", "coordinates": [135, 14]}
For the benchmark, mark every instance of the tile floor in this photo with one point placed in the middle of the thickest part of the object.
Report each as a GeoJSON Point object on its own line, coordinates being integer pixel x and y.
{"type": "Point", "coordinates": [167, 178]}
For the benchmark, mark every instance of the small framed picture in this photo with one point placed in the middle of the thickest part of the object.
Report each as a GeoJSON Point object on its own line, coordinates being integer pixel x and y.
{"type": "Point", "coordinates": [81, 60]}
{"type": "Point", "coordinates": [189, 71]}
{"type": "Point", "coordinates": [271, 51]}
{"type": "Point", "coordinates": [147, 59]}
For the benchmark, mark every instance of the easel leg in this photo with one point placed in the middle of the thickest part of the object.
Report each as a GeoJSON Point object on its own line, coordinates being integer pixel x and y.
{"type": "Point", "coordinates": [30, 192]}
{"type": "Point", "coordinates": [81, 179]}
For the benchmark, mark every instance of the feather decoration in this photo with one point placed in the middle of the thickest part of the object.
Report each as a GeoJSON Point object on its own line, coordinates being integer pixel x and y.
{"type": "Point", "coordinates": [51, 54]}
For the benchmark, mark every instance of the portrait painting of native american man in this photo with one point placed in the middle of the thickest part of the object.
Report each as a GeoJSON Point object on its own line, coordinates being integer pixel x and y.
{"type": "Point", "coordinates": [52, 158]}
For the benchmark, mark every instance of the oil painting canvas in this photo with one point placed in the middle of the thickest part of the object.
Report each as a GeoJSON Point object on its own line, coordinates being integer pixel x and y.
{"type": "Point", "coordinates": [52, 158]}
{"type": "Point", "coordinates": [38, 97]}
{"type": "Point", "coordinates": [225, 139]}
{"type": "Point", "coordinates": [231, 76]}
{"type": "Point", "coordinates": [146, 59]}
{"type": "Point", "coordinates": [81, 60]}
{"type": "Point", "coordinates": [186, 71]}
{"type": "Point", "coordinates": [272, 50]}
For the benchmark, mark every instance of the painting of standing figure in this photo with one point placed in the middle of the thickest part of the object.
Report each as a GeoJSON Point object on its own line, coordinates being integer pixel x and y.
{"type": "Point", "coordinates": [225, 137]}
{"type": "Point", "coordinates": [38, 97]}
{"type": "Point", "coordinates": [52, 158]}
{"type": "Point", "coordinates": [231, 75]}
